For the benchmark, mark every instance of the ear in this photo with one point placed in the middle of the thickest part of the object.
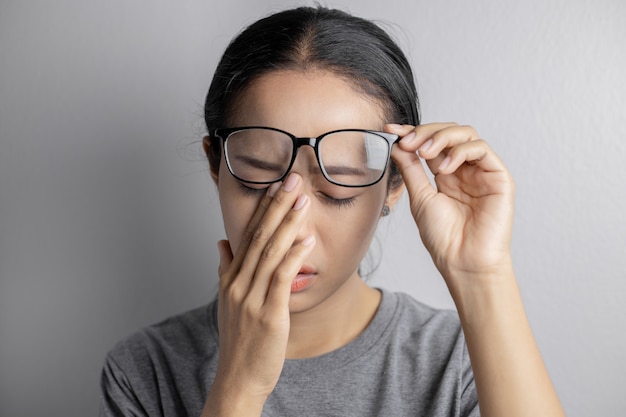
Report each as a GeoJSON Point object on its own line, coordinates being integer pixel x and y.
{"type": "Point", "coordinates": [214, 156]}
{"type": "Point", "coordinates": [394, 195]}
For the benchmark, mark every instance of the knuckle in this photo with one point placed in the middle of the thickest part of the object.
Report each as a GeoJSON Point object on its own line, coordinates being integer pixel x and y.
{"type": "Point", "coordinates": [260, 234]}
{"type": "Point", "coordinates": [224, 281]}
{"type": "Point", "coordinates": [265, 318]}
{"type": "Point", "coordinates": [292, 218]}
{"type": "Point", "coordinates": [248, 234]}
{"type": "Point", "coordinates": [265, 202]}
{"type": "Point", "coordinates": [279, 198]}
{"type": "Point", "coordinates": [230, 291]}
{"type": "Point", "coordinates": [271, 250]}
{"type": "Point", "coordinates": [269, 322]}
{"type": "Point", "coordinates": [248, 309]}
{"type": "Point", "coordinates": [223, 288]}
{"type": "Point", "coordinates": [472, 133]}
{"type": "Point", "coordinates": [281, 277]}
{"type": "Point", "coordinates": [225, 271]}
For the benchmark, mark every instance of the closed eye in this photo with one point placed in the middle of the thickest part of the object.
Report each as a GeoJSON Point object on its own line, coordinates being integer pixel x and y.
{"type": "Point", "coordinates": [254, 192]}
{"type": "Point", "coordinates": [327, 199]}
{"type": "Point", "coordinates": [338, 202]}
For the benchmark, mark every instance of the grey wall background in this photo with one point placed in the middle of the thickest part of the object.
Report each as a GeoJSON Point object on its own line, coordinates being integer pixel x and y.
{"type": "Point", "coordinates": [108, 217]}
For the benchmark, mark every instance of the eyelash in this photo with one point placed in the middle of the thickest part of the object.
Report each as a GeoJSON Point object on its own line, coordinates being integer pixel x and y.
{"type": "Point", "coordinates": [337, 202]}
{"type": "Point", "coordinates": [254, 192]}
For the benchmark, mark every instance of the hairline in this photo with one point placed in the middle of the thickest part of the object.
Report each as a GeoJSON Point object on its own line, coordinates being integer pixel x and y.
{"type": "Point", "coordinates": [384, 105]}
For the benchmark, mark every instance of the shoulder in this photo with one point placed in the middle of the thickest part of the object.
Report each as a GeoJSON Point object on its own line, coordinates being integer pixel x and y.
{"type": "Point", "coordinates": [140, 371]}
{"type": "Point", "coordinates": [414, 314]}
{"type": "Point", "coordinates": [183, 335]}
{"type": "Point", "coordinates": [426, 329]}
{"type": "Point", "coordinates": [424, 357]}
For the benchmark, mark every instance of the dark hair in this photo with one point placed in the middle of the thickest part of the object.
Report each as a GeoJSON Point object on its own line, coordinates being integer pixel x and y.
{"type": "Point", "coordinates": [314, 38]}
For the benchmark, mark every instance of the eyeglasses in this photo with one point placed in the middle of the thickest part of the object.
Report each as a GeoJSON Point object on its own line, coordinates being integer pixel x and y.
{"type": "Point", "coordinates": [347, 157]}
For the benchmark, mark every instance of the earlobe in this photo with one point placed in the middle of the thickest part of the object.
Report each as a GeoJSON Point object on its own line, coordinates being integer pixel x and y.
{"type": "Point", "coordinates": [214, 166]}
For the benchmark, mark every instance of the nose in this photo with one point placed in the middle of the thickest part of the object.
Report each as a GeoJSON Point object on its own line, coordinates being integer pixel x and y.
{"type": "Point", "coordinates": [305, 141]}
{"type": "Point", "coordinates": [306, 166]}
{"type": "Point", "coordinates": [305, 163]}
{"type": "Point", "coordinates": [307, 226]}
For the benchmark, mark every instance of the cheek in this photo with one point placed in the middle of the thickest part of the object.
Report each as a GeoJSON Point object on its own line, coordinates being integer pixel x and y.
{"type": "Point", "coordinates": [348, 233]}
{"type": "Point", "coordinates": [237, 210]}
{"type": "Point", "coordinates": [365, 224]}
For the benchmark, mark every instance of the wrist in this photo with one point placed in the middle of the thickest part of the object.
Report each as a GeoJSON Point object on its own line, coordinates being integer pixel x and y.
{"type": "Point", "coordinates": [488, 289]}
{"type": "Point", "coordinates": [487, 299]}
{"type": "Point", "coordinates": [478, 278]}
{"type": "Point", "coordinates": [230, 399]}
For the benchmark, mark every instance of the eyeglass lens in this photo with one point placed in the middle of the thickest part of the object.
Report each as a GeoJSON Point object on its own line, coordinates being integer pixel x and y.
{"type": "Point", "coordinates": [350, 158]}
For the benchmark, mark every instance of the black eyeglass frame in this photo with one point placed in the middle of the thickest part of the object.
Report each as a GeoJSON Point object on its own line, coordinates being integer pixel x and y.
{"type": "Point", "coordinates": [225, 133]}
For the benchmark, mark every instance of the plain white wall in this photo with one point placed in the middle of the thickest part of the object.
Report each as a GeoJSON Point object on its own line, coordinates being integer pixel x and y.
{"type": "Point", "coordinates": [108, 217]}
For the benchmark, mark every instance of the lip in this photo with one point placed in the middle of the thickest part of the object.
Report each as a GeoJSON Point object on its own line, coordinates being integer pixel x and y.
{"type": "Point", "coordinates": [304, 279]}
{"type": "Point", "coordinates": [306, 269]}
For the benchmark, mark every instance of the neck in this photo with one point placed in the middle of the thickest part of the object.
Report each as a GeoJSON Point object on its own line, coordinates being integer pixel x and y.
{"type": "Point", "coordinates": [334, 322]}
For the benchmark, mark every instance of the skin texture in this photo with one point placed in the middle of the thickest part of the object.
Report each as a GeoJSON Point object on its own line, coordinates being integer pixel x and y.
{"type": "Point", "coordinates": [284, 100]}
{"type": "Point", "coordinates": [464, 221]}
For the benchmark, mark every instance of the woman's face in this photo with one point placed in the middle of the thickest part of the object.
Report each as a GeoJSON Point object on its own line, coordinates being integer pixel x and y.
{"type": "Point", "coordinates": [343, 220]}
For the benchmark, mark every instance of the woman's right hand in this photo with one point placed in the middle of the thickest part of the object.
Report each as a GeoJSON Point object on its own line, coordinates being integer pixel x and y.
{"type": "Point", "coordinates": [253, 306]}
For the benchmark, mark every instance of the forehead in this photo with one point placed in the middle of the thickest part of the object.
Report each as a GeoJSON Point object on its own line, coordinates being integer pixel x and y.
{"type": "Point", "coordinates": [306, 103]}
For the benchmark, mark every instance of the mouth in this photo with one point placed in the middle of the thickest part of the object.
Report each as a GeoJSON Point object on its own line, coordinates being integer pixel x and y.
{"type": "Point", "coordinates": [304, 279]}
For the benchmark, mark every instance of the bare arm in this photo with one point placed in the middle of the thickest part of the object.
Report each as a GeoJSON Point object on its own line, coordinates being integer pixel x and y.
{"type": "Point", "coordinates": [510, 375]}
{"type": "Point", "coordinates": [465, 222]}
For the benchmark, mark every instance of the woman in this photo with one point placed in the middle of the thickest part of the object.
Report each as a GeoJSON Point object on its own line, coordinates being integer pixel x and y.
{"type": "Point", "coordinates": [313, 134]}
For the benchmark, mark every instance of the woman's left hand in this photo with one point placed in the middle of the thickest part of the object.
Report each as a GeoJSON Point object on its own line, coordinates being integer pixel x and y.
{"type": "Point", "coordinates": [465, 220]}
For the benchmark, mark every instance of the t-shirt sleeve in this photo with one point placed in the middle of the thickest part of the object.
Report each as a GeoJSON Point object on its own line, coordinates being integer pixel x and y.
{"type": "Point", "coordinates": [117, 396]}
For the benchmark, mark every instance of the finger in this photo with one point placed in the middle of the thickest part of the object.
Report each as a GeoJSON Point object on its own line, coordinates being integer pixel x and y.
{"type": "Point", "coordinates": [476, 153]}
{"type": "Point", "coordinates": [415, 178]}
{"type": "Point", "coordinates": [252, 226]}
{"type": "Point", "coordinates": [414, 137]}
{"type": "Point", "coordinates": [279, 289]}
{"type": "Point", "coordinates": [226, 256]}
{"type": "Point", "coordinates": [434, 163]}
{"type": "Point", "coordinates": [401, 130]}
{"type": "Point", "coordinates": [435, 149]}
{"type": "Point", "coordinates": [273, 255]}
{"type": "Point", "coordinates": [432, 141]}
{"type": "Point", "coordinates": [257, 238]}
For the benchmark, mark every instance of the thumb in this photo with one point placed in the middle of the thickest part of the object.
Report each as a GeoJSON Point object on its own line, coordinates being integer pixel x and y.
{"type": "Point", "coordinates": [226, 256]}
{"type": "Point", "coordinates": [417, 183]}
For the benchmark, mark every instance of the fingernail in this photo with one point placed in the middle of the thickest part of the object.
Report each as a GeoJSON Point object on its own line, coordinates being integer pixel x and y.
{"type": "Point", "coordinates": [273, 188]}
{"type": "Point", "coordinates": [308, 241]}
{"type": "Point", "coordinates": [291, 182]}
{"type": "Point", "coordinates": [426, 145]}
{"type": "Point", "coordinates": [408, 138]}
{"type": "Point", "coordinates": [393, 126]}
{"type": "Point", "coordinates": [444, 164]}
{"type": "Point", "coordinates": [300, 202]}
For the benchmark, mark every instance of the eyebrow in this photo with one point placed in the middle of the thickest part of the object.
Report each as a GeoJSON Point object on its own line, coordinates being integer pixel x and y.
{"type": "Point", "coordinates": [343, 170]}
{"type": "Point", "coordinates": [330, 170]}
{"type": "Point", "coordinates": [257, 163]}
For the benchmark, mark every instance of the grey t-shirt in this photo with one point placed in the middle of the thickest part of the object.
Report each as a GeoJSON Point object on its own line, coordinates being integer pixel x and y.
{"type": "Point", "coordinates": [410, 361]}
